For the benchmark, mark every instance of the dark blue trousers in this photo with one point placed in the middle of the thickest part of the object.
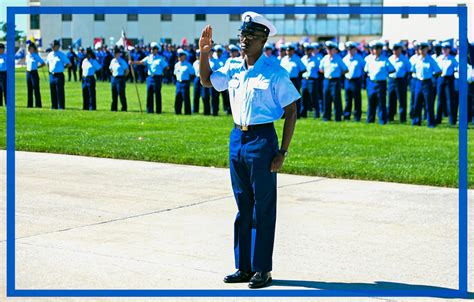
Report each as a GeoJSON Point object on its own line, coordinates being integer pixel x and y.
{"type": "Point", "coordinates": [332, 94]}
{"type": "Point", "coordinates": [196, 94]}
{"type": "Point", "coordinates": [182, 95]}
{"type": "Point", "coordinates": [397, 91]}
{"type": "Point", "coordinates": [352, 89]}
{"type": "Point", "coordinates": [446, 100]}
{"type": "Point", "coordinates": [424, 95]}
{"type": "Point", "coordinates": [33, 86]}
{"type": "Point", "coordinates": [255, 187]}
{"type": "Point", "coordinates": [377, 99]}
{"type": "Point", "coordinates": [118, 90]}
{"type": "Point", "coordinates": [299, 107]}
{"type": "Point", "coordinates": [412, 96]}
{"type": "Point", "coordinates": [3, 87]}
{"type": "Point", "coordinates": [88, 93]}
{"type": "Point", "coordinates": [310, 97]}
{"type": "Point", "coordinates": [56, 86]}
{"type": "Point", "coordinates": [153, 90]}
{"type": "Point", "coordinates": [215, 102]}
{"type": "Point", "coordinates": [470, 103]}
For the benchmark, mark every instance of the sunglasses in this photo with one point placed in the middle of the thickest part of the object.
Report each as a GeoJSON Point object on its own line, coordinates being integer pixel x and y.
{"type": "Point", "coordinates": [250, 37]}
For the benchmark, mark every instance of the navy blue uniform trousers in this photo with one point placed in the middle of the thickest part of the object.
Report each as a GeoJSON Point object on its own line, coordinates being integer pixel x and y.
{"type": "Point", "coordinates": [56, 86]}
{"type": "Point", "coordinates": [204, 93]}
{"type": "Point", "coordinates": [3, 87]}
{"type": "Point", "coordinates": [32, 84]}
{"type": "Point", "coordinates": [377, 98]}
{"type": "Point", "coordinates": [118, 90]}
{"type": "Point", "coordinates": [310, 96]}
{"type": "Point", "coordinates": [352, 89]}
{"type": "Point", "coordinates": [255, 187]}
{"type": "Point", "coordinates": [88, 93]}
{"type": "Point", "coordinates": [397, 90]}
{"type": "Point", "coordinates": [332, 93]}
{"type": "Point", "coordinates": [446, 100]}
{"type": "Point", "coordinates": [424, 95]}
{"type": "Point", "coordinates": [153, 91]}
{"type": "Point", "coordinates": [182, 96]}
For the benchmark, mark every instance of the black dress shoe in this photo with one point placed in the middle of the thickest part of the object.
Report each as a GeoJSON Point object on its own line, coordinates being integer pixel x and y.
{"type": "Point", "coordinates": [260, 280]}
{"type": "Point", "coordinates": [238, 276]}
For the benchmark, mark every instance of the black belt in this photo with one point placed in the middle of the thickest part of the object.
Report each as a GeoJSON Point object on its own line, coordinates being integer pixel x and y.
{"type": "Point", "coordinates": [3, 72]}
{"type": "Point", "coordinates": [35, 70]}
{"type": "Point", "coordinates": [380, 82]}
{"type": "Point", "coordinates": [184, 81]}
{"type": "Point", "coordinates": [333, 79]}
{"type": "Point", "coordinates": [314, 79]}
{"type": "Point", "coordinates": [55, 73]}
{"type": "Point", "coordinates": [448, 77]}
{"type": "Point", "coordinates": [351, 79]}
{"type": "Point", "coordinates": [253, 127]}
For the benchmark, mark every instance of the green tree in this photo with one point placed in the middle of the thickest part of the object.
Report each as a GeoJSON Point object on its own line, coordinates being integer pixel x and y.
{"type": "Point", "coordinates": [18, 33]}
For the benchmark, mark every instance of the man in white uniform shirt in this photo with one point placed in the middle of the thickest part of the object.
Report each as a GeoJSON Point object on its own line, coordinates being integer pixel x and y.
{"type": "Point", "coordinates": [260, 92]}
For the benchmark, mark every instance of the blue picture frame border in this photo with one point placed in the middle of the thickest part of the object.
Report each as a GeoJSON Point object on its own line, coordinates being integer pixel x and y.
{"type": "Point", "coordinates": [461, 292]}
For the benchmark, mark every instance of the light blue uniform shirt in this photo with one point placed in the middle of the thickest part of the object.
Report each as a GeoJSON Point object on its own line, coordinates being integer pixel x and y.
{"type": "Point", "coordinates": [32, 61]}
{"type": "Point", "coordinates": [312, 66]}
{"type": "Point", "coordinates": [215, 63]}
{"type": "Point", "coordinates": [402, 66]}
{"type": "Point", "coordinates": [332, 67]}
{"type": "Point", "coordinates": [183, 71]}
{"type": "Point", "coordinates": [257, 94]}
{"type": "Point", "coordinates": [293, 65]}
{"type": "Point", "coordinates": [196, 67]}
{"type": "Point", "coordinates": [89, 67]}
{"type": "Point", "coordinates": [447, 64]}
{"type": "Point", "coordinates": [155, 64]}
{"type": "Point", "coordinates": [56, 61]}
{"type": "Point", "coordinates": [425, 68]}
{"type": "Point", "coordinates": [118, 67]}
{"type": "Point", "coordinates": [355, 65]}
{"type": "Point", "coordinates": [412, 61]}
{"type": "Point", "coordinates": [3, 62]}
{"type": "Point", "coordinates": [379, 68]}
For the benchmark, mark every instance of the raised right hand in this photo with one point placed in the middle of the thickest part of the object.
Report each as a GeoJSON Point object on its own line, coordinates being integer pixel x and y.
{"type": "Point", "coordinates": [205, 42]}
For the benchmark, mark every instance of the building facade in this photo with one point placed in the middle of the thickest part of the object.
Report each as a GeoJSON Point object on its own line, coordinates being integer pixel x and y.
{"type": "Point", "coordinates": [414, 27]}
{"type": "Point", "coordinates": [173, 28]}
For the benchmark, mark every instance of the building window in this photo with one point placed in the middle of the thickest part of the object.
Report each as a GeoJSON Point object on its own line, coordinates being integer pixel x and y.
{"type": "Point", "coordinates": [234, 17]}
{"type": "Point", "coordinates": [66, 42]}
{"type": "Point", "coordinates": [289, 16]}
{"type": "Point", "coordinates": [200, 17]}
{"type": "Point", "coordinates": [66, 17]}
{"type": "Point", "coordinates": [430, 15]}
{"type": "Point", "coordinates": [99, 17]}
{"type": "Point", "coordinates": [405, 16]}
{"type": "Point", "coordinates": [166, 17]}
{"type": "Point", "coordinates": [319, 15]}
{"type": "Point", "coordinates": [34, 21]}
{"type": "Point", "coordinates": [132, 17]}
{"type": "Point", "coordinates": [354, 16]}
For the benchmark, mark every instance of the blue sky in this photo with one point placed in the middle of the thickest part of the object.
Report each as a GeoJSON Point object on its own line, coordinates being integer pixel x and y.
{"type": "Point", "coordinates": [20, 20]}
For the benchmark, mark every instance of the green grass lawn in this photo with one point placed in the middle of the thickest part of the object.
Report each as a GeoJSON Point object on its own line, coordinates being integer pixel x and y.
{"type": "Point", "coordinates": [394, 152]}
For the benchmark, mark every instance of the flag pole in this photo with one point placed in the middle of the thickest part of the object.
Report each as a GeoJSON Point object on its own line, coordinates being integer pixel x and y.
{"type": "Point", "coordinates": [125, 45]}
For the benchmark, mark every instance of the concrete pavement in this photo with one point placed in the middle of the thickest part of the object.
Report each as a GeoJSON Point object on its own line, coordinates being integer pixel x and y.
{"type": "Point", "coordinates": [91, 223]}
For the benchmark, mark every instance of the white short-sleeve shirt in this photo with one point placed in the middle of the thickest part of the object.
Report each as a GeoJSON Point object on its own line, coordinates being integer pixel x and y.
{"type": "Point", "coordinates": [257, 94]}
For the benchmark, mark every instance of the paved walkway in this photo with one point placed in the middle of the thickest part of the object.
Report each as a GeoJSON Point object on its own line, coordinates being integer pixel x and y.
{"type": "Point", "coordinates": [91, 223]}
